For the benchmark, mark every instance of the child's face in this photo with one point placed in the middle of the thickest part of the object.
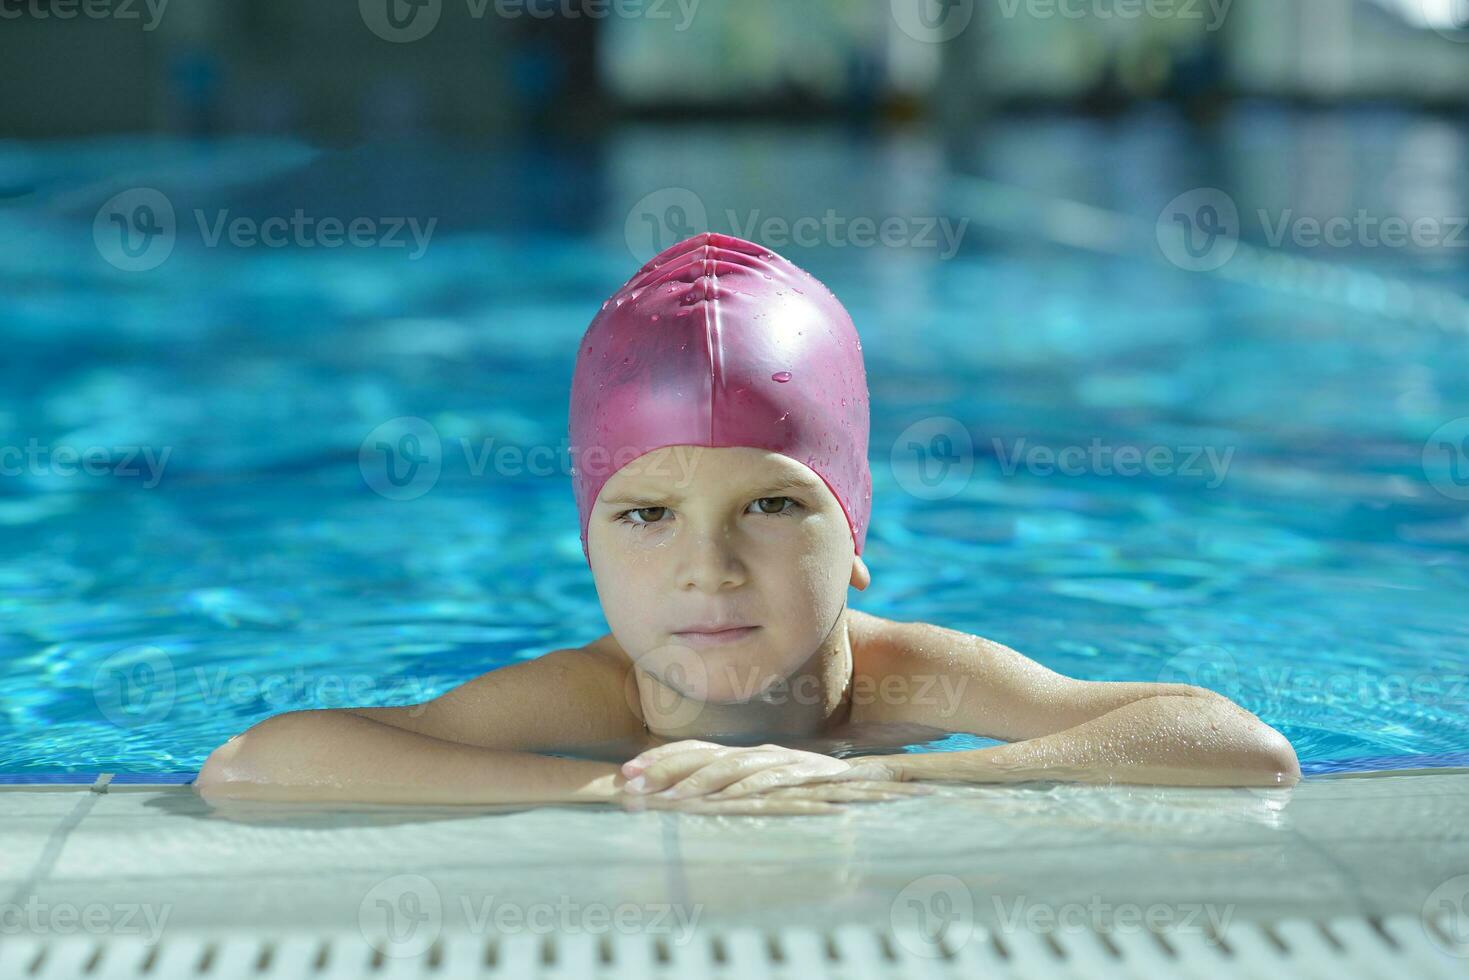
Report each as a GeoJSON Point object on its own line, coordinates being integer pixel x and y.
{"type": "Point", "coordinates": [691, 535]}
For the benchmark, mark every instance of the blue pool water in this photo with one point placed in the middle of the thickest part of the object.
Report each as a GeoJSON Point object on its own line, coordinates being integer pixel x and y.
{"type": "Point", "coordinates": [1314, 567]}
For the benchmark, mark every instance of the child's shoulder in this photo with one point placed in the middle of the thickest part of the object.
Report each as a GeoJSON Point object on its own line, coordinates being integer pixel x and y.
{"type": "Point", "coordinates": [873, 636]}
{"type": "Point", "coordinates": [606, 653]}
{"type": "Point", "coordinates": [880, 647]}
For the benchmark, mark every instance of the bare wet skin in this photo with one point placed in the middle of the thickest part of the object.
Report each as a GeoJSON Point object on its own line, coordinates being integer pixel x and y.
{"type": "Point", "coordinates": [847, 741]}
{"type": "Point", "coordinates": [844, 739]}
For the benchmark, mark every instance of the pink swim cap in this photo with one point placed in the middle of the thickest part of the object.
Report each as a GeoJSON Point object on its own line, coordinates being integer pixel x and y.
{"type": "Point", "coordinates": [720, 342]}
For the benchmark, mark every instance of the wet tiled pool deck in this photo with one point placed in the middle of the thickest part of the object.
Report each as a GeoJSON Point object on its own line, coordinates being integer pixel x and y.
{"type": "Point", "coordinates": [1003, 857]}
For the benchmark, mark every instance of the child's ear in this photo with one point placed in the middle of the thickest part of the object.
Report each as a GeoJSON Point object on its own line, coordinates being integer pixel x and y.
{"type": "Point", "coordinates": [861, 577]}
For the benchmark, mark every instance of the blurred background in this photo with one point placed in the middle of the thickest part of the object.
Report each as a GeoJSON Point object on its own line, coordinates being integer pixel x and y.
{"type": "Point", "coordinates": [533, 69]}
{"type": "Point", "coordinates": [289, 298]}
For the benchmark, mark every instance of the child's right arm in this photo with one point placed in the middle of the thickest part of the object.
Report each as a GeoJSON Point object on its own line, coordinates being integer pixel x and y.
{"type": "Point", "coordinates": [338, 756]}
{"type": "Point", "coordinates": [474, 744]}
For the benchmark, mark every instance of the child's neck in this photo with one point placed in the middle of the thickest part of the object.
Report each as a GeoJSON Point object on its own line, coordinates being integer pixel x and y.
{"type": "Point", "coordinates": [815, 698]}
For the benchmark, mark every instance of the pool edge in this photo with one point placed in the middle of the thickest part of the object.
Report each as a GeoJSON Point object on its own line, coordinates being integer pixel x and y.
{"type": "Point", "coordinates": [123, 782]}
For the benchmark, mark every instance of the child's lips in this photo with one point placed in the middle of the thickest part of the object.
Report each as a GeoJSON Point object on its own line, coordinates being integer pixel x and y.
{"type": "Point", "coordinates": [698, 638]}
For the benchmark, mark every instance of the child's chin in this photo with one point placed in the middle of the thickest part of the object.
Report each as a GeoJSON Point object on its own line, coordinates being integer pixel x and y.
{"type": "Point", "coordinates": [732, 674]}
{"type": "Point", "coordinates": [747, 679]}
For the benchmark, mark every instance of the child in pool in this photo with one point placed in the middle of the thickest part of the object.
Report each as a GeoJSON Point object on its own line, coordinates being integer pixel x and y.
{"type": "Point", "coordinates": [719, 420]}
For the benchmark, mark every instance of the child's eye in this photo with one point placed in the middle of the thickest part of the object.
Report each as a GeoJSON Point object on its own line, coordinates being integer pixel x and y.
{"type": "Point", "coordinates": [649, 516]}
{"type": "Point", "coordinates": [775, 513]}
{"type": "Point", "coordinates": [658, 511]}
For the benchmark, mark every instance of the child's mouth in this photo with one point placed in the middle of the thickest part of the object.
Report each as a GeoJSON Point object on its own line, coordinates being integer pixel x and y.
{"type": "Point", "coordinates": [716, 638]}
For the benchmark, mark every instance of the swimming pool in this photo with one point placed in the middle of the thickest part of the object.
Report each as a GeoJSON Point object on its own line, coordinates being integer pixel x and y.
{"type": "Point", "coordinates": [1123, 468]}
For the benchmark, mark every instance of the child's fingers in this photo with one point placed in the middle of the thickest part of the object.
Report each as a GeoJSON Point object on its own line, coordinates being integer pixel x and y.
{"type": "Point", "coordinates": [702, 771]}
{"type": "Point", "coordinates": [757, 807]}
{"type": "Point", "coordinates": [832, 792]}
{"type": "Point", "coordinates": [769, 779]}
{"type": "Point", "coordinates": [803, 774]}
{"type": "Point", "coordinates": [721, 772]}
{"type": "Point", "coordinates": [877, 769]}
{"type": "Point", "coordinates": [670, 769]}
{"type": "Point", "coordinates": [752, 806]}
{"type": "Point", "coordinates": [902, 789]}
{"type": "Point", "coordinates": [647, 757]}
{"type": "Point", "coordinates": [829, 795]}
{"type": "Point", "coordinates": [810, 798]}
{"type": "Point", "coordinates": [837, 792]}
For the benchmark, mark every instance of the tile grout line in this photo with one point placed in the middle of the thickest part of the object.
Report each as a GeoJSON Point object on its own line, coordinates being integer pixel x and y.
{"type": "Point", "coordinates": [55, 842]}
{"type": "Point", "coordinates": [678, 885]}
{"type": "Point", "coordinates": [1366, 905]}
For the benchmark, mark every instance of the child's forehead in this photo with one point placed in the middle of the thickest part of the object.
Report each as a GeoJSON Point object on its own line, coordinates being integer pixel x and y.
{"type": "Point", "coordinates": [708, 470]}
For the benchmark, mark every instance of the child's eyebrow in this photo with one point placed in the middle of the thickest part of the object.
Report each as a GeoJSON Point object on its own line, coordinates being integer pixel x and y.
{"type": "Point", "coordinates": [646, 499]}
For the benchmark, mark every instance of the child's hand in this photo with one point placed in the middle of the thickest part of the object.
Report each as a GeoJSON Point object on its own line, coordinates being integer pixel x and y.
{"type": "Point", "coordinates": [788, 800]}
{"type": "Point", "coordinates": [690, 768]}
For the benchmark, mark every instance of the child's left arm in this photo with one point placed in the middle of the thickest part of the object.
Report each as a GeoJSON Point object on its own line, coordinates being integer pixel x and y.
{"type": "Point", "coordinates": [1063, 728]}
{"type": "Point", "coordinates": [1169, 739]}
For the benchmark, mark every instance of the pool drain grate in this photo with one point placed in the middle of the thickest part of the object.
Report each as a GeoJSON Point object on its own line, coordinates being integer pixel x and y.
{"type": "Point", "coordinates": [1401, 946]}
